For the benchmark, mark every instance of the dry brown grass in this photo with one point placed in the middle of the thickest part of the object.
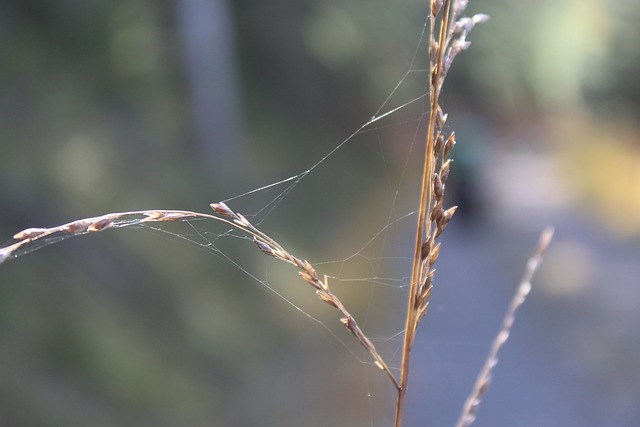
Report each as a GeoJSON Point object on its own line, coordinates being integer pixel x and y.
{"type": "Point", "coordinates": [468, 414]}
{"type": "Point", "coordinates": [448, 37]}
{"type": "Point", "coordinates": [31, 237]}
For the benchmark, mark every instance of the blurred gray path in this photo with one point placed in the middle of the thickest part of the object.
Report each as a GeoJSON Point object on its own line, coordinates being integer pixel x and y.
{"type": "Point", "coordinates": [573, 358]}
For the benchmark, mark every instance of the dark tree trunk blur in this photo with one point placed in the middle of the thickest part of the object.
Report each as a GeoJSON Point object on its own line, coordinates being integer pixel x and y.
{"type": "Point", "coordinates": [206, 27]}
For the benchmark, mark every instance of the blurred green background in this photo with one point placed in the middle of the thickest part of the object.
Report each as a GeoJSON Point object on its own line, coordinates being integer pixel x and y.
{"type": "Point", "coordinates": [121, 105]}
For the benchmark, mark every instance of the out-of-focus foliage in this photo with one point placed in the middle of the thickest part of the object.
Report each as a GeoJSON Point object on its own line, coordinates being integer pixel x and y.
{"type": "Point", "coordinates": [97, 114]}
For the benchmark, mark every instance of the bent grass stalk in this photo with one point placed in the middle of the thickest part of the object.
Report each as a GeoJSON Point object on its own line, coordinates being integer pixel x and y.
{"type": "Point", "coordinates": [468, 414]}
{"type": "Point", "coordinates": [32, 237]}
{"type": "Point", "coordinates": [432, 217]}
{"type": "Point", "coordinates": [448, 32]}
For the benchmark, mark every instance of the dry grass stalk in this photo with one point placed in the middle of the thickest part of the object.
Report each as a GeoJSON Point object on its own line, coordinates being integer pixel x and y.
{"type": "Point", "coordinates": [272, 248]}
{"type": "Point", "coordinates": [483, 381]}
{"type": "Point", "coordinates": [444, 46]}
{"type": "Point", "coordinates": [448, 32]}
{"type": "Point", "coordinates": [33, 238]}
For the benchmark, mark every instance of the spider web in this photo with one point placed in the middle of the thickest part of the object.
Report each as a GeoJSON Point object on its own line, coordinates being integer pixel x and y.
{"type": "Point", "coordinates": [375, 267]}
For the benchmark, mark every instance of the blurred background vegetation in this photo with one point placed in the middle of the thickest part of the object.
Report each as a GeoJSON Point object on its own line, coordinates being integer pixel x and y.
{"type": "Point", "coordinates": [140, 104]}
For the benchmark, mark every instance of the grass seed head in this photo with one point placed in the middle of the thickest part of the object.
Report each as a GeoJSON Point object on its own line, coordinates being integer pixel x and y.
{"type": "Point", "coordinates": [222, 209]}
{"type": "Point", "coordinates": [29, 233]}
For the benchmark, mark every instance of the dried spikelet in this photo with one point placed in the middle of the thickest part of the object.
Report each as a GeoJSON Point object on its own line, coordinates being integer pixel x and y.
{"type": "Point", "coordinates": [77, 226]}
{"type": "Point", "coordinates": [298, 263]}
{"type": "Point", "coordinates": [437, 212]}
{"type": "Point", "coordinates": [151, 216]}
{"type": "Point", "coordinates": [437, 147]}
{"type": "Point", "coordinates": [435, 253]}
{"type": "Point", "coordinates": [448, 146]}
{"type": "Point", "coordinates": [352, 326]}
{"type": "Point", "coordinates": [309, 268]}
{"type": "Point", "coordinates": [30, 233]}
{"type": "Point", "coordinates": [458, 45]}
{"type": "Point", "coordinates": [426, 248]}
{"type": "Point", "coordinates": [434, 75]}
{"type": "Point", "coordinates": [306, 277]}
{"type": "Point", "coordinates": [444, 170]}
{"type": "Point", "coordinates": [449, 213]}
{"type": "Point", "coordinates": [463, 25]}
{"type": "Point", "coordinates": [480, 18]}
{"type": "Point", "coordinates": [431, 275]}
{"type": "Point", "coordinates": [428, 286]}
{"type": "Point", "coordinates": [173, 216]}
{"type": "Point", "coordinates": [433, 50]}
{"type": "Point", "coordinates": [313, 281]}
{"type": "Point", "coordinates": [459, 7]}
{"type": "Point", "coordinates": [422, 308]}
{"type": "Point", "coordinates": [222, 209]}
{"type": "Point", "coordinates": [441, 118]}
{"type": "Point", "coordinates": [265, 248]}
{"type": "Point", "coordinates": [422, 296]}
{"type": "Point", "coordinates": [438, 186]}
{"type": "Point", "coordinates": [444, 220]}
{"type": "Point", "coordinates": [326, 298]}
{"type": "Point", "coordinates": [100, 225]}
{"type": "Point", "coordinates": [422, 311]}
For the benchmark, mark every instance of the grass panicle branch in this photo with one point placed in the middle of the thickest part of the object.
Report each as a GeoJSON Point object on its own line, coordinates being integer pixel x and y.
{"type": "Point", "coordinates": [468, 414]}
{"type": "Point", "coordinates": [35, 238]}
{"type": "Point", "coordinates": [448, 31]}
{"type": "Point", "coordinates": [447, 38]}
